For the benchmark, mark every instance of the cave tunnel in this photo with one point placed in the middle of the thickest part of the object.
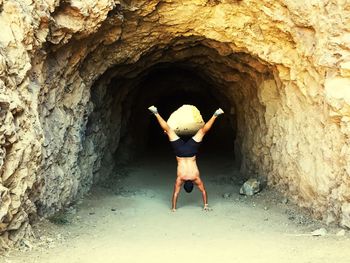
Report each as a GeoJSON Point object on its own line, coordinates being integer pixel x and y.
{"type": "Point", "coordinates": [114, 128]}
{"type": "Point", "coordinates": [77, 78]}
{"type": "Point", "coordinates": [122, 105]}
{"type": "Point", "coordinates": [186, 72]}
{"type": "Point", "coordinates": [168, 86]}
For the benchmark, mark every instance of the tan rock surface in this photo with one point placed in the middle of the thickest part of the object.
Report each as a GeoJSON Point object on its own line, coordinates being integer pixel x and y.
{"type": "Point", "coordinates": [283, 66]}
{"type": "Point", "coordinates": [186, 120]}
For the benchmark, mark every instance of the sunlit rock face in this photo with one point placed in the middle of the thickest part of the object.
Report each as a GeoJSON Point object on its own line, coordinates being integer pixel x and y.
{"type": "Point", "coordinates": [71, 75]}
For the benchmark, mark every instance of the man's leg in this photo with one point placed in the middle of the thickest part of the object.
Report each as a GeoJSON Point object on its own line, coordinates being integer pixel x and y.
{"type": "Point", "coordinates": [198, 137]}
{"type": "Point", "coordinates": [171, 134]}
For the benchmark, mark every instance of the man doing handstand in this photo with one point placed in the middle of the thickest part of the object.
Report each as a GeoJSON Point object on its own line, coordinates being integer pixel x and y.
{"type": "Point", "coordinates": [187, 170]}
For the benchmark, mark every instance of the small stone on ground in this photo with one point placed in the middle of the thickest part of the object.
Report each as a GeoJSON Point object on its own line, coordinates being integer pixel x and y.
{"type": "Point", "coordinates": [250, 187]}
{"type": "Point", "coordinates": [319, 232]}
{"type": "Point", "coordinates": [226, 195]}
{"type": "Point", "coordinates": [341, 233]}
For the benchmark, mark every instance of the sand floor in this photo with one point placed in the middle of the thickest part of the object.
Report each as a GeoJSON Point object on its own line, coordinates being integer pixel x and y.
{"type": "Point", "coordinates": [129, 220]}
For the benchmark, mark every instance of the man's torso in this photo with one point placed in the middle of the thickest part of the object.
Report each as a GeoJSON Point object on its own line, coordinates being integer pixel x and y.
{"type": "Point", "coordinates": [187, 168]}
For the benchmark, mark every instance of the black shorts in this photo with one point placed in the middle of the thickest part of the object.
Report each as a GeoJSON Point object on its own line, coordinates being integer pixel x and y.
{"type": "Point", "coordinates": [185, 149]}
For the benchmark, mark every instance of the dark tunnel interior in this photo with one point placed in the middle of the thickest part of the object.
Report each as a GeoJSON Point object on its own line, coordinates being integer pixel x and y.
{"type": "Point", "coordinates": [168, 87]}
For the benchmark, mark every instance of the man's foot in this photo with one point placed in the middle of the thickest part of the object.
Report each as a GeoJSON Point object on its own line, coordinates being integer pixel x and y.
{"type": "Point", "coordinates": [153, 109]}
{"type": "Point", "coordinates": [218, 112]}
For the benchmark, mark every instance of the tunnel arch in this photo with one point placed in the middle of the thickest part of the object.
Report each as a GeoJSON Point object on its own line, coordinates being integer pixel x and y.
{"type": "Point", "coordinates": [235, 76]}
{"type": "Point", "coordinates": [222, 73]}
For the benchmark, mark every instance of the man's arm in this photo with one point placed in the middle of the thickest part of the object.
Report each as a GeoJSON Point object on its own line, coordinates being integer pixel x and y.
{"type": "Point", "coordinates": [177, 188]}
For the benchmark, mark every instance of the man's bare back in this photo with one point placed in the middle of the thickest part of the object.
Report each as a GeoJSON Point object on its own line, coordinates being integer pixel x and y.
{"type": "Point", "coordinates": [187, 168]}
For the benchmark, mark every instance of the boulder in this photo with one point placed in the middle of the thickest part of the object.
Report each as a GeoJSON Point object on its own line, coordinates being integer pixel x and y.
{"type": "Point", "coordinates": [250, 187]}
{"type": "Point", "coordinates": [186, 120]}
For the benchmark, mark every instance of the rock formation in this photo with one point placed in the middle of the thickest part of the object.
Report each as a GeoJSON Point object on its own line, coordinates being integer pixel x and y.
{"type": "Point", "coordinates": [71, 75]}
{"type": "Point", "coordinates": [186, 120]}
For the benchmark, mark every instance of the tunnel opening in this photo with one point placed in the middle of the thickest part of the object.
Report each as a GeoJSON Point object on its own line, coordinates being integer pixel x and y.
{"type": "Point", "coordinates": [124, 101]}
{"type": "Point", "coordinates": [174, 86]}
{"type": "Point", "coordinates": [121, 128]}
{"type": "Point", "coordinates": [121, 111]}
{"type": "Point", "coordinates": [112, 126]}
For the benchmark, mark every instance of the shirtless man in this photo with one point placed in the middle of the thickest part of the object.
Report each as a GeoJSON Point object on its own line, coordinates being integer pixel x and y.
{"type": "Point", "coordinates": [187, 170]}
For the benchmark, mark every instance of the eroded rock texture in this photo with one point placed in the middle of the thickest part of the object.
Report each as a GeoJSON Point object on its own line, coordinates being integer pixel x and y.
{"type": "Point", "coordinates": [71, 86]}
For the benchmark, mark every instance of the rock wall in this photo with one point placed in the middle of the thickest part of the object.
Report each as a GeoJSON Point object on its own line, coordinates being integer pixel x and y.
{"type": "Point", "coordinates": [283, 65]}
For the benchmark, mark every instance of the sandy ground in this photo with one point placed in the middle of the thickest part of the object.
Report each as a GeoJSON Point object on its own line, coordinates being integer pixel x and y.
{"type": "Point", "coordinates": [129, 220]}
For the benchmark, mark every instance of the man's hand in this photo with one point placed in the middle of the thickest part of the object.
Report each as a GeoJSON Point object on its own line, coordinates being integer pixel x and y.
{"type": "Point", "coordinates": [207, 208]}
